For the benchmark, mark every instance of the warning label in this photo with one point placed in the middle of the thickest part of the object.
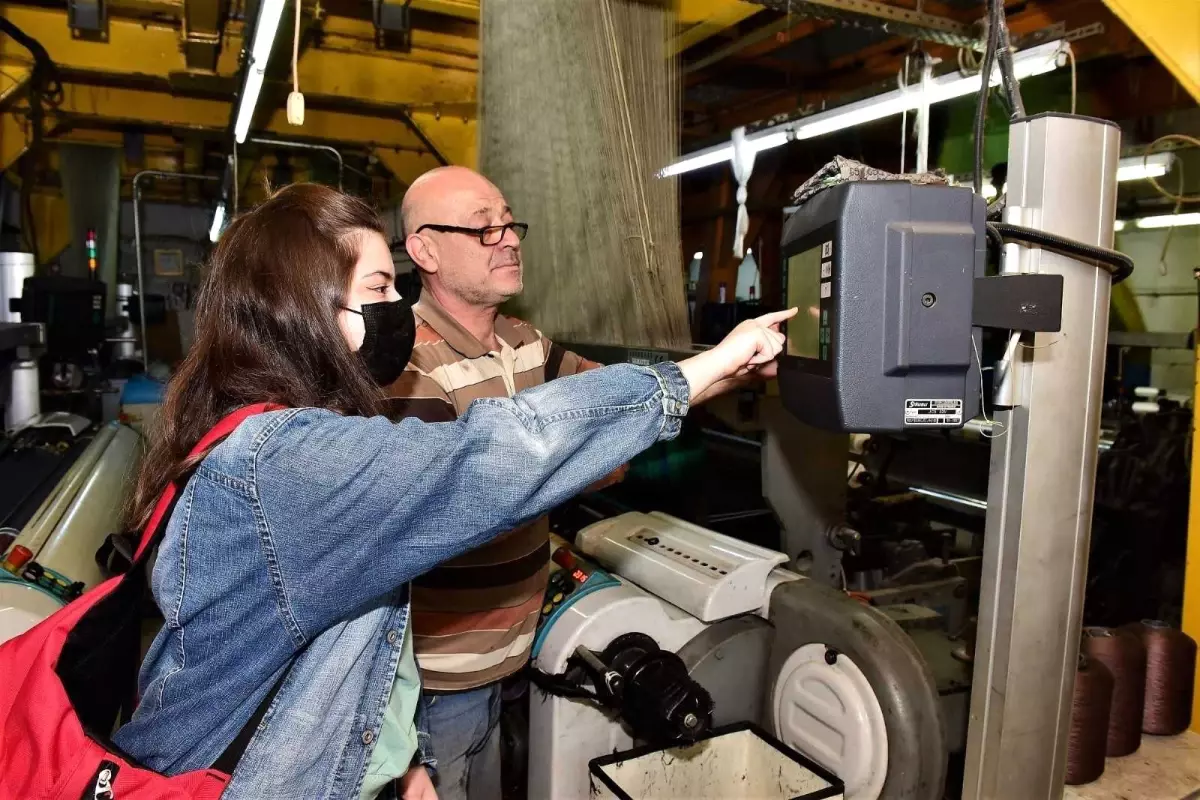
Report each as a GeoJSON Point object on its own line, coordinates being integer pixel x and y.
{"type": "Point", "coordinates": [933, 412]}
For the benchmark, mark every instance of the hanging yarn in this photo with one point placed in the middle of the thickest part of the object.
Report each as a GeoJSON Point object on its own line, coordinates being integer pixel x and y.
{"type": "Point", "coordinates": [579, 109]}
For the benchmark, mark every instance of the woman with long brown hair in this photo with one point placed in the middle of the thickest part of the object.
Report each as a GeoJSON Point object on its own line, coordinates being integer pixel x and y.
{"type": "Point", "coordinates": [283, 572]}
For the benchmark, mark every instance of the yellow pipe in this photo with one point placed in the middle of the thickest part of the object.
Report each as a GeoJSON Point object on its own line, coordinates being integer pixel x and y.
{"type": "Point", "coordinates": [1191, 580]}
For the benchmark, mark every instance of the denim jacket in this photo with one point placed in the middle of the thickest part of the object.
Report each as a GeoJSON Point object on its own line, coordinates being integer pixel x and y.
{"type": "Point", "coordinates": [295, 540]}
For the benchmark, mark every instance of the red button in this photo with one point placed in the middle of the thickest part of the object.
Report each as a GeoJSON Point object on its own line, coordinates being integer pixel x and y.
{"type": "Point", "coordinates": [564, 558]}
{"type": "Point", "coordinates": [17, 557]}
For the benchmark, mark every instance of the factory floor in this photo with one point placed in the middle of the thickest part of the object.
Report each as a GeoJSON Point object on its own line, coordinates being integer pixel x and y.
{"type": "Point", "coordinates": [1163, 768]}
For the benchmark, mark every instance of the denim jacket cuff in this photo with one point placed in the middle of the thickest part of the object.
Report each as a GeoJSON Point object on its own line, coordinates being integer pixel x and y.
{"type": "Point", "coordinates": [676, 394]}
{"type": "Point", "coordinates": [424, 755]}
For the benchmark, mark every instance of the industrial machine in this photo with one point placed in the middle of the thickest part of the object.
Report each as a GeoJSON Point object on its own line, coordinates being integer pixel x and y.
{"type": "Point", "coordinates": [893, 292]}
{"type": "Point", "coordinates": [63, 478]}
{"type": "Point", "coordinates": [684, 629]}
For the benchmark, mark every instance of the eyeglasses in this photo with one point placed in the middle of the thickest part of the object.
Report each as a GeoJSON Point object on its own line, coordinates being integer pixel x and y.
{"type": "Point", "coordinates": [490, 236]}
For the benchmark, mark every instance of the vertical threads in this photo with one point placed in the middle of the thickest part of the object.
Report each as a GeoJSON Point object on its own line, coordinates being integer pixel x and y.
{"type": "Point", "coordinates": [1125, 657]}
{"type": "Point", "coordinates": [1170, 666]}
{"type": "Point", "coordinates": [1090, 707]}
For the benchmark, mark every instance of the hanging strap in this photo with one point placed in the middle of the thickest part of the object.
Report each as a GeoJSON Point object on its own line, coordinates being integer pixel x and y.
{"type": "Point", "coordinates": [222, 429]}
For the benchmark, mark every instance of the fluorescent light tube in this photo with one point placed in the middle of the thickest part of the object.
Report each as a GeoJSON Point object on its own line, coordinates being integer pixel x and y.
{"type": "Point", "coordinates": [269, 15]}
{"type": "Point", "coordinates": [1138, 168]}
{"type": "Point", "coordinates": [1027, 63]}
{"type": "Point", "coordinates": [1168, 221]}
{"type": "Point", "coordinates": [218, 222]}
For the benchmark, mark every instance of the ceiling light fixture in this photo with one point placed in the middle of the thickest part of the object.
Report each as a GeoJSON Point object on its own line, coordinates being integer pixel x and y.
{"type": "Point", "coordinates": [1027, 63]}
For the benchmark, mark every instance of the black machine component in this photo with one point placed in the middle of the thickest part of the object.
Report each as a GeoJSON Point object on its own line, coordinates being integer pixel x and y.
{"type": "Point", "coordinates": [393, 24]}
{"type": "Point", "coordinates": [88, 19]}
{"type": "Point", "coordinates": [72, 311]}
{"type": "Point", "coordinates": [884, 275]}
{"type": "Point", "coordinates": [648, 686]}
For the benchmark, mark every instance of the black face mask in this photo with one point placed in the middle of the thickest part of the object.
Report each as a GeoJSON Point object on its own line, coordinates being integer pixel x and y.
{"type": "Point", "coordinates": [388, 342]}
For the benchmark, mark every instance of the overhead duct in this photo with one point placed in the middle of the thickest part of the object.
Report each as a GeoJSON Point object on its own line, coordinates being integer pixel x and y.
{"type": "Point", "coordinates": [579, 109]}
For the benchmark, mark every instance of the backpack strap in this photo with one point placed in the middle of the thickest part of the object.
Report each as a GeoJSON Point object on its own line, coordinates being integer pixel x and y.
{"type": "Point", "coordinates": [554, 361]}
{"type": "Point", "coordinates": [228, 760]}
{"type": "Point", "coordinates": [221, 430]}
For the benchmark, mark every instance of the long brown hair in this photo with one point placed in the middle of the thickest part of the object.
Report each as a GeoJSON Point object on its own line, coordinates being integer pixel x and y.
{"type": "Point", "coordinates": [266, 328]}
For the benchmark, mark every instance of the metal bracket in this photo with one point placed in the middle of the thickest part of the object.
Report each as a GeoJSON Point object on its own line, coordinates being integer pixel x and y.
{"type": "Point", "coordinates": [1058, 31]}
{"type": "Point", "coordinates": [393, 25]}
{"type": "Point", "coordinates": [1019, 303]}
{"type": "Point", "coordinates": [892, 19]}
{"type": "Point", "coordinates": [88, 19]}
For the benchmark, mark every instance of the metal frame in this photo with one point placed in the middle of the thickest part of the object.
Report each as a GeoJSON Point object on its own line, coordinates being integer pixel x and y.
{"type": "Point", "coordinates": [1062, 172]}
{"type": "Point", "coordinates": [899, 21]}
{"type": "Point", "coordinates": [137, 244]}
{"type": "Point", "coordinates": [324, 148]}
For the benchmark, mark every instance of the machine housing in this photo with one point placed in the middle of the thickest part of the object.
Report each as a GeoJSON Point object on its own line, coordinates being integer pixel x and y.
{"type": "Point", "coordinates": [883, 273]}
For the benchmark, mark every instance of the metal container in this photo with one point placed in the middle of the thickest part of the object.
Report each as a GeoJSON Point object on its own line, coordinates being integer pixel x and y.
{"type": "Point", "coordinates": [14, 269]}
{"type": "Point", "coordinates": [23, 402]}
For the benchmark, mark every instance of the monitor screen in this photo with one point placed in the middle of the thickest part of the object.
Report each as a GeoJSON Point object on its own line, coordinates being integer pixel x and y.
{"type": "Point", "coordinates": [808, 331]}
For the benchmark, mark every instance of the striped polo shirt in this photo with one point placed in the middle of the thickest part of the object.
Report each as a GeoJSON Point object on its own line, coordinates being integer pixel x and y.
{"type": "Point", "coordinates": [474, 617]}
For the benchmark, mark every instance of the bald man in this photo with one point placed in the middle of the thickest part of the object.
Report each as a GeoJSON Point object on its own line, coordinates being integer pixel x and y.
{"type": "Point", "coordinates": [473, 617]}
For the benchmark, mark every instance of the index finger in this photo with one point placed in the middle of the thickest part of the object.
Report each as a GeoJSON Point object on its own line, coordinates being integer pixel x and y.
{"type": "Point", "coordinates": [775, 317]}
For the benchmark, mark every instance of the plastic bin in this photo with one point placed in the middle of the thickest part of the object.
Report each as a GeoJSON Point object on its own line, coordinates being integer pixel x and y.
{"type": "Point", "coordinates": [735, 761]}
{"type": "Point", "coordinates": [141, 399]}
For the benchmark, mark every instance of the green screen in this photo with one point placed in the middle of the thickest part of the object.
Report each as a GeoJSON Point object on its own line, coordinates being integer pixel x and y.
{"type": "Point", "coordinates": [804, 292]}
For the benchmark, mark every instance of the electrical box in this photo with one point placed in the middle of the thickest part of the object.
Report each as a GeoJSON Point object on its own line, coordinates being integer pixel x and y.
{"type": "Point", "coordinates": [883, 273]}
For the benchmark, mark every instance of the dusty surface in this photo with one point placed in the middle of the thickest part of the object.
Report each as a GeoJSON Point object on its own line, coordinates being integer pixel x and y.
{"type": "Point", "coordinates": [1163, 768]}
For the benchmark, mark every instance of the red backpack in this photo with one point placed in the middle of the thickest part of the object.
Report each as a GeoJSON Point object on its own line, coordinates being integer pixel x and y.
{"type": "Point", "coordinates": [65, 682]}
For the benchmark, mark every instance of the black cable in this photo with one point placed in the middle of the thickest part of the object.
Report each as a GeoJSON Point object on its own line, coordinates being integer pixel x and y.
{"type": "Point", "coordinates": [981, 103]}
{"type": "Point", "coordinates": [995, 237]}
{"type": "Point", "coordinates": [45, 89]}
{"type": "Point", "coordinates": [1119, 264]}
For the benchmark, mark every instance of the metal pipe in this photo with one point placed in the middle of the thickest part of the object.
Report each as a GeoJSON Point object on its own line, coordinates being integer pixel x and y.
{"type": "Point", "coordinates": [731, 437]}
{"type": "Point", "coordinates": [985, 427]}
{"type": "Point", "coordinates": [306, 146]}
{"type": "Point", "coordinates": [137, 244]}
{"type": "Point", "coordinates": [950, 497]}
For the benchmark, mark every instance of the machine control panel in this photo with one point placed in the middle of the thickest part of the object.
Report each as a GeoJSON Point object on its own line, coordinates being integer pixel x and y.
{"type": "Point", "coordinates": [883, 273]}
{"type": "Point", "coordinates": [571, 577]}
{"type": "Point", "coordinates": [706, 574]}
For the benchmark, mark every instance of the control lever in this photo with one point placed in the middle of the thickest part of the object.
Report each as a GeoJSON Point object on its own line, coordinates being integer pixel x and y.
{"type": "Point", "coordinates": [611, 684]}
{"type": "Point", "coordinates": [649, 687]}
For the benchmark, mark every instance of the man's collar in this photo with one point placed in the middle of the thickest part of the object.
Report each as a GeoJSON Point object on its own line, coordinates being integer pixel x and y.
{"type": "Point", "coordinates": [461, 339]}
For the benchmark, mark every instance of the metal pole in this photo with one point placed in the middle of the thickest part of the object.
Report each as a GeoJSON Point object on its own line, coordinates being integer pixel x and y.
{"type": "Point", "coordinates": [306, 146]}
{"type": "Point", "coordinates": [1062, 179]}
{"type": "Point", "coordinates": [137, 245]}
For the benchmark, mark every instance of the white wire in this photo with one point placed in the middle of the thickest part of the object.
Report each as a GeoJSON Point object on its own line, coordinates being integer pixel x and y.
{"type": "Point", "coordinates": [983, 396]}
{"type": "Point", "coordinates": [1070, 51]}
{"type": "Point", "coordinates": [296, 52]}
{"type": "Point", "coordinates": [1042, 346]}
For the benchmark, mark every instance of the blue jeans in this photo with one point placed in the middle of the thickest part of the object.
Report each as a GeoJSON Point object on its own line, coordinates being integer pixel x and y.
{"type": "Point", "coordinates": [464, 731]}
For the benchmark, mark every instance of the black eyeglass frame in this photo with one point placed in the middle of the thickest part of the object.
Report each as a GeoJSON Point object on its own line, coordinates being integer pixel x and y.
{"type": "Point", "coordinates": [519, 228]}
